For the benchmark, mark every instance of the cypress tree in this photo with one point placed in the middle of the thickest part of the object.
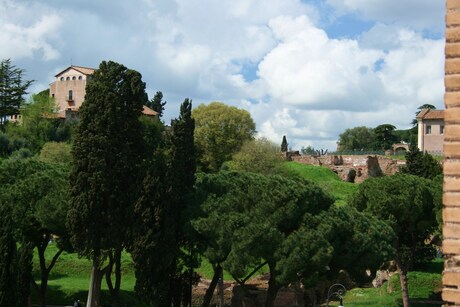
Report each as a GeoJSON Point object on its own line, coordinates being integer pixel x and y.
{"type": "Point", "coordinates": [108, 151]}
{"type": "Point", "coordinates": [182, 176]}
{"type": "Point", "coordinates": [284, 144]}
{"type": "Point", "coordinates": [159, 248]}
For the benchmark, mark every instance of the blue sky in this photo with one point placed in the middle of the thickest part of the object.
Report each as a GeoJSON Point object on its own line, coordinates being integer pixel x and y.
{"type": "Point", "coordinates": [304, 69]}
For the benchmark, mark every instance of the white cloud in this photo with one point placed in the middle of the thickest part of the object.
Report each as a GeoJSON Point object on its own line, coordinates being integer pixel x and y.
{"type": "Point", "coordinates": [308, 86]}
{"type": "Point", "coordinates": [20, 39]}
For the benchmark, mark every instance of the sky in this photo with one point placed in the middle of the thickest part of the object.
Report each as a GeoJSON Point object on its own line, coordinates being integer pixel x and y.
{"type": "Point", "coordinates": [307, 69]}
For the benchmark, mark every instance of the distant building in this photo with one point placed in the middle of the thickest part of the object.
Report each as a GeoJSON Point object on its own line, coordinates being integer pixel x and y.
{"type": "Point", "coordinates": [431, 131]}
{"type": "Point", "coordinates": [69, 89]}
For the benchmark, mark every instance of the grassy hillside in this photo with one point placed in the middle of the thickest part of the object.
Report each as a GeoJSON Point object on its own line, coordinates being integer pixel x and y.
{"type": "Point", "coordinates": [324, 177]}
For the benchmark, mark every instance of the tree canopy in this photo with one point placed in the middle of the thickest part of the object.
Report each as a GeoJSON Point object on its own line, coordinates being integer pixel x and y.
{"type": "Point", "coordinates": [249, 219]}
{"type": "Point", "coordinates": [38, 195]}
{"type": "Point", "coordinates": [384, 136]}
{"type": "Point", "coordinates": [406, 203]}
{"type": "Point", "coordinates": [220, 131]}
{"type": "Point", "coordinates": [421, 164]}
{"type": "Point", "coordinates": [257, 156]}
{"type": "Point", "coordinates": [358, 138]}
{"type": "Point", "coordinates": [12, 89]}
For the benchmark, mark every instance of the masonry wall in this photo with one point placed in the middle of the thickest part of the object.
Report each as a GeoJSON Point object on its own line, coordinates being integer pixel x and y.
{"type": "Point", "coordinates": [59, 89]}
{"type": "Point", "coordinates": [451, 198]}
{"type": "Point", "coordinates": [433, 142]}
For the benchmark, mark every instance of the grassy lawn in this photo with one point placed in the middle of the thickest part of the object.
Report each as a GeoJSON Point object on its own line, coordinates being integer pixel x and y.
{"type": "Point", "coordinates": [69, 281]}
{"type": "Point", "coordinates": [424, 284]}
{"type": "Point", "coordinates": [325, 178]}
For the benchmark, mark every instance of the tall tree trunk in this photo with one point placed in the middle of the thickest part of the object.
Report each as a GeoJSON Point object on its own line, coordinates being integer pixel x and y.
{"type": "Point", "coordinates": [273, 288]}
{"type": "Point", "coordinates": [403, 279]}
{"type": "Point", "coordinates": [94, 284]}
{"type": "Point", "coordinates": [221, 289]}
{"type": "Point", "coordinates": [43, 275]}
{"type": "Point", "coordinates": [114, 259]}
{"type": "Point", "coordinates": [212, 285]}
{"type": "Point", "coordinates": [45, 270]}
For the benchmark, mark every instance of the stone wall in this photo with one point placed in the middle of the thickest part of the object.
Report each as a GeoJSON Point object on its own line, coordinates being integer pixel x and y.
{"type": "Point", "coordinates": [451, 198]}
{"type": "Point", "coordinates": [362, 166]}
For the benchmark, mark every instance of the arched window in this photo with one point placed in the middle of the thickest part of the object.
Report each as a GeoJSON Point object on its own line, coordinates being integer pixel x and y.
{"type": "Point", "coordinates": [80, 77]}
{"type": "Point", "coordinates": [62, 78]}
{"type": "Point", "coordinates": [74, 78]}
{"type": "Point", "coordinates": [68, 78]}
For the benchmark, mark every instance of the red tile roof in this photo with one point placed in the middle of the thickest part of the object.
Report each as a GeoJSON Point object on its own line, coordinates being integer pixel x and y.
{"type": "Point", "coordinates": [431, 114]}
{"type": "Point", "coordinates": [83, 70]}
{"type": "Point", "coordinates": [149, 112]}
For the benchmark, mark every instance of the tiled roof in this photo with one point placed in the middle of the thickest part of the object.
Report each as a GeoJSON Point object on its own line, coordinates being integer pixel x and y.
{"type": "Point", "coordinates": [431, 114]}
{"type": "Point", "coordinates": [83, 70]}
{"type": "Point", "coordinates": [149, 112]}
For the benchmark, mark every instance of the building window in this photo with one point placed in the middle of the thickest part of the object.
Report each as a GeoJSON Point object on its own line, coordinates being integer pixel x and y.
{"type": "Point", "coordinates": [68, 78]}
{"type": "Point", "coordinates": [428, 129]}
{"type": "Point", "coordinates": [62, 78]}
{"type": "Point", "coordinates": [74, 78]}
{"type": "Point", "coordinates": [441, 129]}
{"type": "Point", "coordinates": [70, 97]}
{"type": "Point", "coordinates": [80, 77]}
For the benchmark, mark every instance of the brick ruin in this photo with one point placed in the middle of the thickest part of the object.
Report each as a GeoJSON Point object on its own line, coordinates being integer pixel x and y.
{"type": "Point", "coordinates": [353, 168]}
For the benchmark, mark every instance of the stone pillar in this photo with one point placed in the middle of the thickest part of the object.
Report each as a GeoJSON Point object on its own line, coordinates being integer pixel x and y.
{"type": "Point", "coordinates": [451, 197]}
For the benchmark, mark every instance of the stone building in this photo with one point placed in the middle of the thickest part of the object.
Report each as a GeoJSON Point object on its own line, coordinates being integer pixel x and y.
{"type": "Point", "coordinates": [69, 89]}
{"type": "Point", "coordinates": [431, 131]}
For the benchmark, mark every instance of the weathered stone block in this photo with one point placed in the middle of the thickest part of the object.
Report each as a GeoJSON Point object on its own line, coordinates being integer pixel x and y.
{"type": "Point", "coordinates": [450, 199]}
{"type": "Point", "coordinates": [451, 167]}
{"type": "Point", "coordinates": [452, 35]}
{"type": "Point", "coordinates": [452, 99]}
{"type": "Point", "coordinates": [452, 150]}
{"type": "Point", "coordinates": [451, 246]}
{"type": "Point", "coordinates": [451, 230]}
{"type": "Point", "coordinates": [451, 295]}
{"type": "Point", "coordinates": [453, 4]}
{"type": "Point", "coordinates": [453, 18]}
{"type": "Point", "coordinates": [452, 82]}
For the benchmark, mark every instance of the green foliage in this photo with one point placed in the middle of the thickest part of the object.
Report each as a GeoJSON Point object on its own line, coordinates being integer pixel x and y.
{"type": "Point", "coordinates": [309, 150]}
{"type": "Point", "coordinates": [421, 164]}
{"type": "Point", "coordinates": [384, 136]}
{"type": "Point", "coordinates": [257, 156]}
{"type": "Point", "coordinates": [157, 103]}
{"type": "Point", "coordinates": [39, 124]}
{"type": "Point", "coordinates": [56, 152]}
{"type": "Point", "coordinates": [159, 244]}
{"type": "Point", "coordinates": [323, 177]}
{"type": "Point", "coordinates": [37, 192]}
{"type": "Point", "coordinates": [358, 138]}
{"type": "Point", "coordinates": [360, 241]}
{"type": "Point", "coordinates": [406, 203]}
{"type": "Point", "coordinates": [220, 131]}
{"type": "Point", "coordinates": [107, 151]}
{"type": "Point", "coordinates": [108, 155]}
{"type": "Point", "coordinates": [247, 219]}
{"type": "Point", "coordinates": [8, 259]}
{"type": "Point", "coordinates": [12, 89]}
